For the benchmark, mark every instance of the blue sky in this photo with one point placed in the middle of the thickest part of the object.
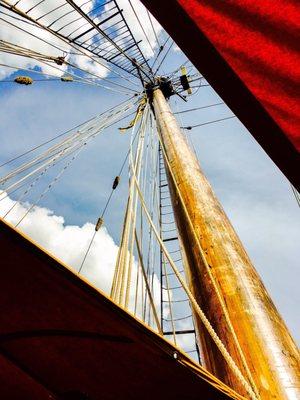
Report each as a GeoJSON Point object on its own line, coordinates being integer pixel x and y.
{"type": "Point", "coordinates": [254, 193]}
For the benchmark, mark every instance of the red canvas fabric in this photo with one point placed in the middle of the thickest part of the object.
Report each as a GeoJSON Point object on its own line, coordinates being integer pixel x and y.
{"type": "Point", "coordinates": [260, 41]}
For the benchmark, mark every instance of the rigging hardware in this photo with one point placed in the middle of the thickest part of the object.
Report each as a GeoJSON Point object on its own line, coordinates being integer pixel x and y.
{"type": "Point", "coordinates": [116, 182]}
{"type": "Point", "coordinates": [99, 224]}
{"type": "Point", "coordinates": [184, 80]}
{"type": "Point", "coordinates": [24, 80]}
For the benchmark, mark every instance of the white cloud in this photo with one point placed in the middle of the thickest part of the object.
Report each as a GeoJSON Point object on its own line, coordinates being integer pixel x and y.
{"type": "Point", "coordinates": [67, 242]}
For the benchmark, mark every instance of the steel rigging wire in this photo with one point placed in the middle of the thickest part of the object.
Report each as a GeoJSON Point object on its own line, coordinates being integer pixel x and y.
{"type": "Point", "coordinates": [152, 26]}
{"type": "Point", "coordinates": [207, 123]}
{"type": "Point", "coordinates": [58, 176]}
{"type": "Point", "coordinates": [25, 52]}
{"type": "Point", "coordinates": [164, 57]}
{"type": "Point", "coordinates": [64, 133]}
{"type": "Point", "coordinates": [199, 108]}
{"type": "Point", "coordinates": [160, 51]}
{"type": "Point", "coordinates": [20, 68]}
{"type": "Point", "coordinates": [105, 209]}
{"type": "Point", "coordinates": [68, 145]}
{"type": "Point", "coordinates": [83, 141]}
{"type": "Point", "coordinates": [35, 180]}
{"type": "Point", "coordinates": [141, 26]}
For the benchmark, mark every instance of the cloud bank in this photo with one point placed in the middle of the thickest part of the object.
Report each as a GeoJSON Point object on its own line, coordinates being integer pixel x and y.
{"type": "Point", "coordinates": [67, 242]}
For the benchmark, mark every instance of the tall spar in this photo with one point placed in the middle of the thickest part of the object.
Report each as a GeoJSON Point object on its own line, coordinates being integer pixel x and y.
{"type": "Point", "coordinates": [223, 279]}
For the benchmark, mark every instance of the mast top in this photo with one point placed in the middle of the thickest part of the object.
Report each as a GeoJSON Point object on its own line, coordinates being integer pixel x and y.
{"type": "Point", "coordinates": [167, 86]}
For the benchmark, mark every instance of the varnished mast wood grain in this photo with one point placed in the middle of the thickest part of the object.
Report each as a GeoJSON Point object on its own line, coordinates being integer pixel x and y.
{"type": "Point", "coordinates": [270, 352]}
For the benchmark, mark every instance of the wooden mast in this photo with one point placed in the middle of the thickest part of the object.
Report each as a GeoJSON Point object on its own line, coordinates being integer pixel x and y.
{"type": "Point", "coordinates": [265, 342]}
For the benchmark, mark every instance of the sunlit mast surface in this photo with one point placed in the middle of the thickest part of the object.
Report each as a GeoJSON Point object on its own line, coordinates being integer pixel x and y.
{"type": "Point", "coordinates": [223, 279]}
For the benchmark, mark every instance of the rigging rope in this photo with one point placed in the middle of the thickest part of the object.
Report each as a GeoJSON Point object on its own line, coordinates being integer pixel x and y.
{"type": "Point", "coordinates": [98, 225]}
{"type": "Point", "coordinates": [121, 286]}
{"type": "Point", "coordinates": [160, 51]}
{"type": "Point", "coordinates": [126, 264]}
{"type": "Point", "coordinates": [164, 57]}
{"type": "Point", "coordinates": [296, 194]}
{"type": "Point", "coordinates": [207, 123]}
{"type": "Point", "coordinates": [138, 115]}
{"type": "Point", "coordinates": [63, 134]}
{"type": "Point", "coordinates": [152, 166]}
{"type": "Point", "coordinates": [82, 141]}
{"type": "Point", "coordinates": [199, 108]}
{"type": "Point", "coordinates": [62, 78]}
{"type": "Point", "coordinates": [31, 185]}
{"type": "Point", "coordinates": [40, 26]}
{"type": "Point", "coordinates": [152, 26]}
{"type": "Point", "coordinates": [169, 300]}
{"type": "Point", "coordinates": [58, 176]}
{"type": "Point", "coordinates": [114, 186]}
{"type": "Point", "coordinates": [25, 52]}
{"type": "Point", "coordinates": [147, 285]}
{"type": "Point", "coordinates": [138, 19]}
{"type": "Point", "coordinates": [87, 130]}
